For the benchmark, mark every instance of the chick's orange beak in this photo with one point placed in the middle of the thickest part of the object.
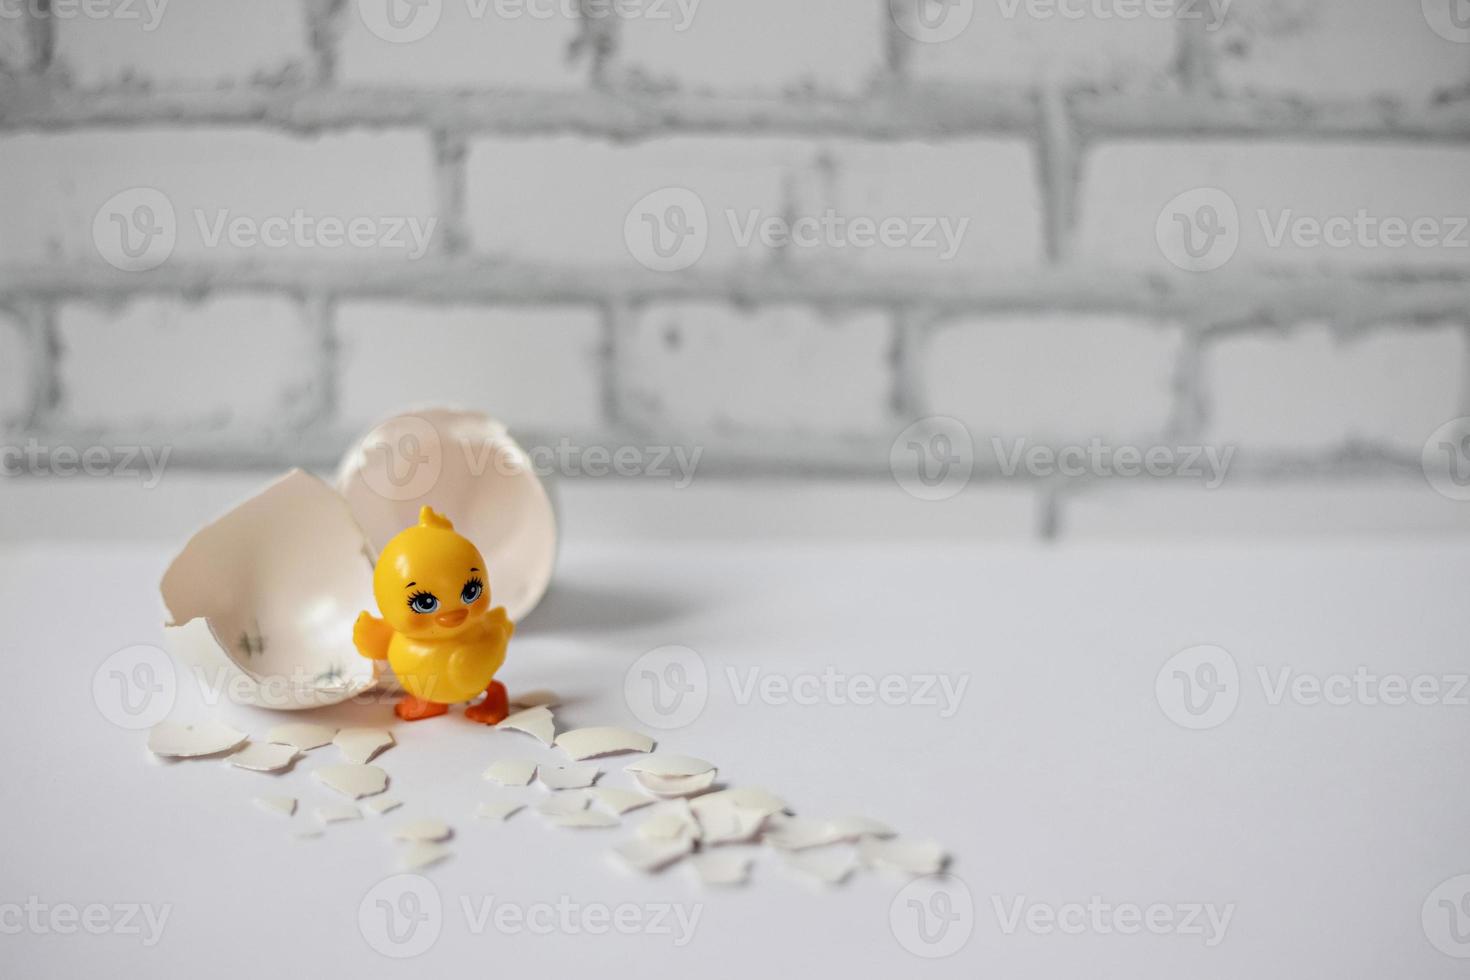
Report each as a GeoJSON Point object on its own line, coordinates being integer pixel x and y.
{"type": "Point", "coordinates": [452, 619]}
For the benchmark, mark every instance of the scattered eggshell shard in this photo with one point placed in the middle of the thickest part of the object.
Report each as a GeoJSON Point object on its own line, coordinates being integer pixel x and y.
{"type": "Point", "coordinates": [722, 868]}
{"type": "Point", "coordinates": [799, 833]}
{"type": "Point", "coordinates": [650, 856]}
{"type": "Point", "coordinates": [361, 745]}
{"type": "Point", "coordinates": [421, 854]}
{"type": "Point", "coordinates": [589, 743]}
{"type": "Point", "coordinates": [670, 822]}
{"type": "Point", "coordinates": [829, 866]}
{"type": "Point", "coordinates": [302, 735]}
{"type": "Point", "coordinates": [562, 804]}
{"type": "Point", "coordinates": [352, 780]}
{"type": "Point", "coordinates": [670, 765]}
{"type": "Point", "coordinates": [568, 777]}
{"type": "Point", "coordinates": [670, 786]}
{"type": "Point", "coordinates": [265, 757]}
{"type": "Point", "coordinates": [536, 722]}
{"type": "Point", "coordinates": [512, 772]}
{"type": "Point", "coordinates": [907, 856]}
{"type": "Point", "coordinates": [750, 797]}
{"type": "Point", "coordinates": [498, 810]}
{"type": "Point", "coordinates": [584, 819]}
{"type": "Point", "coordinates": [271, 588]}
{"type": "Point", "coordinates": [382, 805]}
{"type": "Point", "coordinates": [283, 805]}
{"type": "Point", "coordinates": [337, 812]}
{"type": "Point", "coordinates": [620, 801]}
{"type": "Point", "coordinates": [535, 699]}
{"type": "Point", "coordinates": [856, 828]}
{"type": "Point", "coordinates": [730, 824]}
{"type": "Point", "coordinates": [174, 741]}
{"type": "Point", "coordinates": [428, 830]}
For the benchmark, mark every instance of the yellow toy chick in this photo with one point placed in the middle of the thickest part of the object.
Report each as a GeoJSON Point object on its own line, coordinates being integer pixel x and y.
{"type": "Point", "coordinates": [436, 632]}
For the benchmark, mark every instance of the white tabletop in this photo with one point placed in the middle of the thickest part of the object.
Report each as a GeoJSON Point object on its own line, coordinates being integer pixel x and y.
{"type": "Point", "coordinates": [1061, 785]}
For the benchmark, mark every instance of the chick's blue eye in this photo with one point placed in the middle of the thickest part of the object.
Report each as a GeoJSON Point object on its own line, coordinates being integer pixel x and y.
{"type": "Point", "coordinates": [473, 589]}
{"type": "Point", "coordinates": [423, 602]}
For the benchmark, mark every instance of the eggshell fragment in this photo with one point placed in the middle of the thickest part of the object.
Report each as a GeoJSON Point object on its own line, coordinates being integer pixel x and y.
{"type": "Point", "coordinates": [283, 805]}
{"type": "Point", "coordinates": [352, 780]}
{"type": "Point", "coordinates": [669, 786]}
{"type": "Point", "coordinates": [619, 801]}
{"type": "Point", "coordinates": [337, 812]}
{"type": "Point", "coordinates": [828, 866]}
{"type": "Point", "coordinates": [511, 772]}
{"type": "Point", "coordinates": [382, 805]}
{"type": "Point", "coordinates": [589, 743]}
{"type": "Point", "coordinates": [749, 797]}
{"type": "Point", "coordinates": [922, 857]}
{"type": "Point", "coordinates": [670, 765]}
{"type": "Point", "coordinates": [650, 856]}
{"type": "Point", "coordinates": [302, 735]}
{"type": "Point", "coordinates": [584, 820]}
{"type": "Point", "coordinates": [799, 833]}
{"type": "Point", "coordinates": [730, 824]}
{"type": "Point", "coordinates": [568, 777]}
{"type": "Point", "coordinates": [361, 745]}
{"type": "Point", "coordinates": [856, 828]}
{"type": "Point", "coordinates": [536, 722]}
{"type": "Point", "coordinates": [273, 588]}
{"type": "Point", "coordinates": [499, 810]}
{"type": "Point", "coordinates": [670, 821]}
{"type": "Point", "coordinates": [468, 467]}
{"type": "Point", "coordinates": [721, 868]}
{"type": "Point", "coordinates": [424, 830]}
{"type": "Point", "coordinates": [562, 804]}
{"type": "Point", "coordinates": [174, 741]}
{"type": "Point", "coordinates": [421, 854]}
{"type": "Point", "coordinates": [265, 757]}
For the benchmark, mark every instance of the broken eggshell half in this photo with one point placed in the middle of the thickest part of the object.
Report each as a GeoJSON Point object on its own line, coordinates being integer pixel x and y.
{"type": "Point", "coordinates": [272, 588]}
{"type": "Point", "coordinates": [466, 466]}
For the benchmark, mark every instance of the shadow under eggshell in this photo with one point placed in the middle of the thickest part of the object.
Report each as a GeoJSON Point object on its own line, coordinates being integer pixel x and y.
{"type": "Point", "coordinates": [468, 468]}
{"type": "Point", "coordinates": [278, 582]}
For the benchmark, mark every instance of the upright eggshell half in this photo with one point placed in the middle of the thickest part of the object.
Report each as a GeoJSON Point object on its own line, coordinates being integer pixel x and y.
{"type": "Point", "coordinates": [465, 466]}
{"type": "Point", "coordinates": [273, 588]}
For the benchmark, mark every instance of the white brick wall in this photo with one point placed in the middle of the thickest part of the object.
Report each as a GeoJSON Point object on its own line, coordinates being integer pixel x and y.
{"type": "Point", "coordinates": [519, 44]}
{"type": "Point", "coordinates": [1038, 377]}
{"type": "Point", "coordinates": [198, 41]}
{"type": "Point", "coordinates": [229, 363]}
{"type": "Point", "coordinates": [57, 184]}
{"type": "Point", "coordinates": [1311, 389]}
{"type": "Point", "coordinates": [1021, 42]}
{"type": "Point", "coordinates": [16, 380]}
{"type": "Point", "coordinates": [710, 371]}
{"type": "Point", "coordinates": [15, 52]}
{"type": "Point", "coordinates": [757, 45]}
{"type": "Point", "coordinates": [1337, 48]}
{"type": "Point", "coordinates": [1127, 186]}
{"type": "Point", "coordinates": [534, 369]}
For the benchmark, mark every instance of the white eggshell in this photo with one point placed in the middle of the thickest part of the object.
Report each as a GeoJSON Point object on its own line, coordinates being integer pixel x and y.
{"type": "Point", "coordinates": [273, 588]}
{"type": "Point", "coordinates": [468, 468]}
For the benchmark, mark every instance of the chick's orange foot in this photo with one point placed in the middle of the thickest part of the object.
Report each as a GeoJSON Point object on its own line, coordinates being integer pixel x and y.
{"type": "Point", "coordinates": [494, 709]}
{"type": "Point", "coordinates": [417, 709]}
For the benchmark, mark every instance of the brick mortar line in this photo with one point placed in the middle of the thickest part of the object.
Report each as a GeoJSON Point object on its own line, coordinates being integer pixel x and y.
{"type": "Point", "coordinates": [1225, 304]}
{"type": "Point", "coordinates": [894, 113]}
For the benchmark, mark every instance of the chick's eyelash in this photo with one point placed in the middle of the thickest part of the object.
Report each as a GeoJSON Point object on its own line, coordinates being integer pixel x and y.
{"type": "Point", "coordinates": [474, 580]}
{"type": "Point", "coordinates": [418, 595]}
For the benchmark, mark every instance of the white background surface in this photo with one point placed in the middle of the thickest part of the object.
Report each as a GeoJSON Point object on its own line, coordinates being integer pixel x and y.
{"type": "Point", "coordinates": [1059, 779]}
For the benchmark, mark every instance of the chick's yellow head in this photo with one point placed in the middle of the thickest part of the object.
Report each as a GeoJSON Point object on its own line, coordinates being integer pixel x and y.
{"type": "Point", "coordinates": [430, 581]}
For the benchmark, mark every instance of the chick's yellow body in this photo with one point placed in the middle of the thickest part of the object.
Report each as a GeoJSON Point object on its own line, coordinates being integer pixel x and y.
{"type": "Point", "coordinates": [450, 670]}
